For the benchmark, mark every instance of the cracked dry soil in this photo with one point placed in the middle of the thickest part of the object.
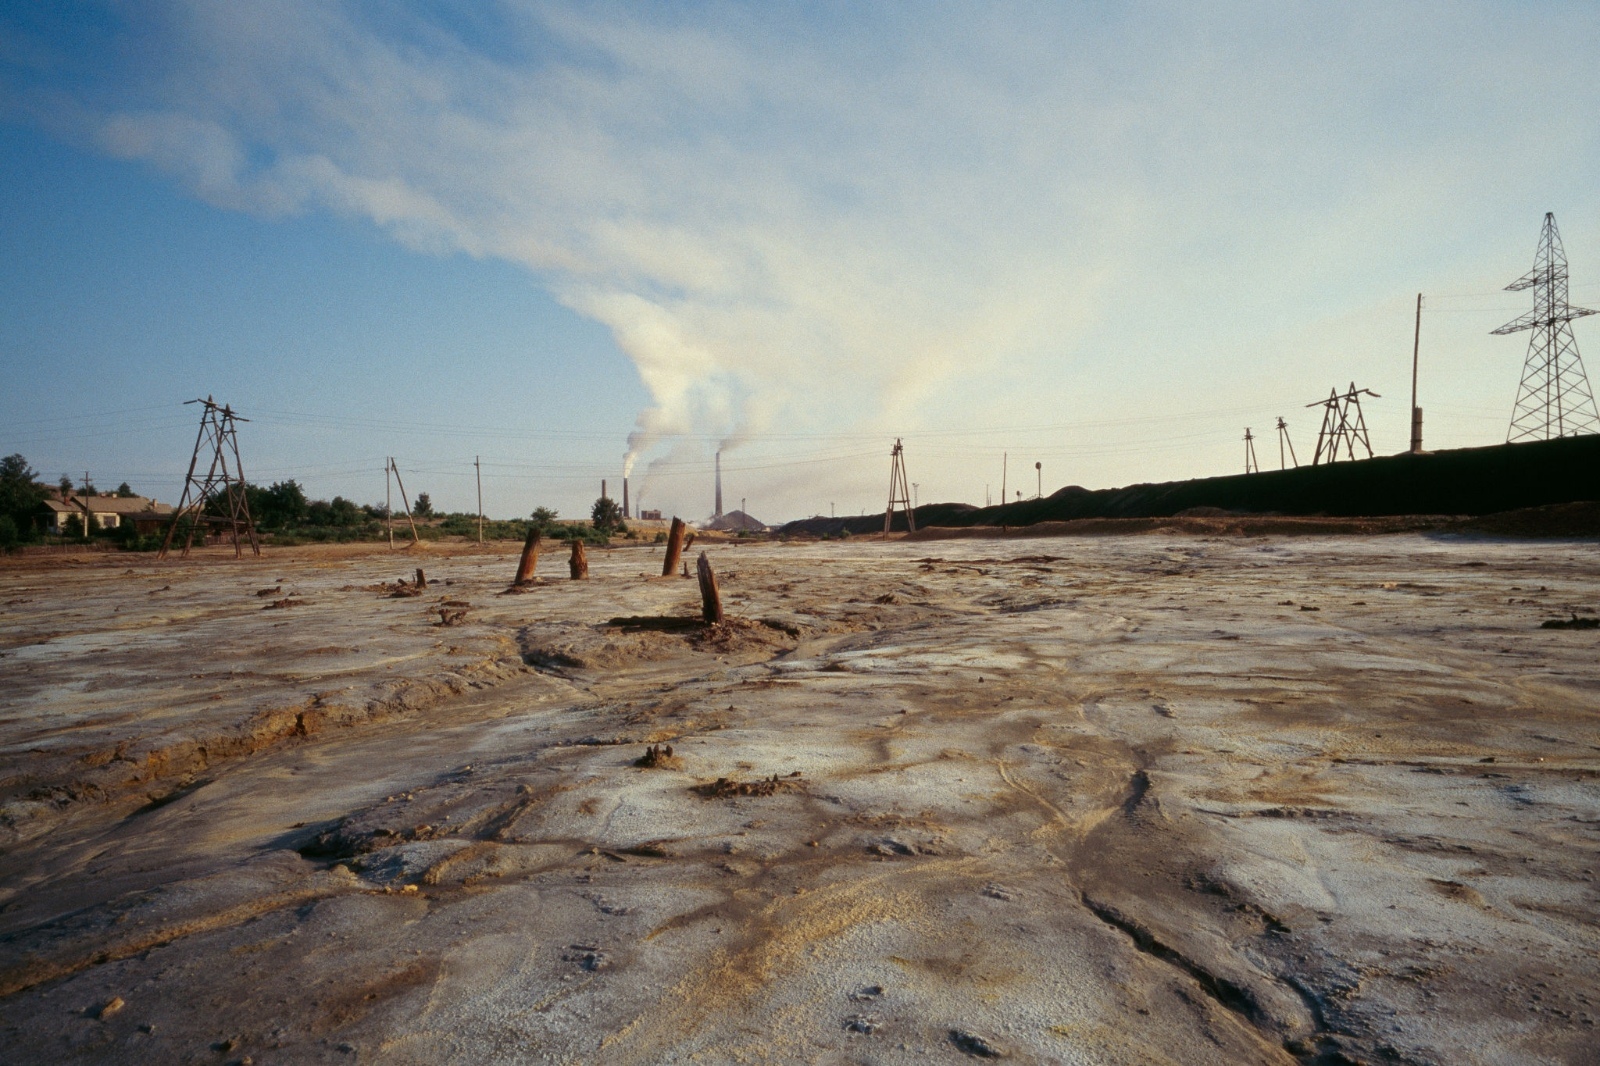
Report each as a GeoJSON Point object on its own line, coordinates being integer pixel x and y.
{"type": "Point", "coordinates": [1083, 800]}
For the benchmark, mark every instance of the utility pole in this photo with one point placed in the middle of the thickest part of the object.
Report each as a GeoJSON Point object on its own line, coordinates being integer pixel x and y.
{"type": "Point", "coordinates": [1416, 412]}
{"type": "Point", "coordinates": [388, 504]}
{"type": "Point", "coordinates": [899, 490]}
{"type": "Point", "coordinates": [1553, 399]}
{"type": "Point", "coordinates": [1038, 469]}
{"type": "Point", "coordinates": [914, 487]}
{"type": "Point", "coordinates": [88, 515]}
{"type": "Point", "coordinates": [477, 465]}
{"type": "Point", "coordinates": [1250, 464]}
{"type": "Point", "coordinates": [219, 430]}
{"type": "Point", "coordinates": [401, 485]}
{"type": "Point", "coordinates": [1283, 439]}
{"type": "Point", "coordinates": [1003, 457]}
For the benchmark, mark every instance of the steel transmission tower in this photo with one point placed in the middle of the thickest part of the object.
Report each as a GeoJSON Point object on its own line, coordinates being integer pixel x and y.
{"type": "Point", "coordinates": [1554, 398]}
{"type": "Point", "coordinates": [221, 485]}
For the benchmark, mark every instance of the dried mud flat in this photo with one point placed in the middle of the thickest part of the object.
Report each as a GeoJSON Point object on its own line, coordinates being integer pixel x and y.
{"type": "Point", "coordinates": [1154, 799]}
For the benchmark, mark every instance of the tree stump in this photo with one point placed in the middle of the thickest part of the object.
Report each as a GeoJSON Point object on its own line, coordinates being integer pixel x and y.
{"type": "Point", "coordinates": [674, 546]}
{"type": "Point", "coordinates": [579, 563]}
{"type": "Point", "coordinates": [710, 598]}
{"type": "Point", "coordinates": [422, 580]}
{"type": "Point", "coordinates": [530, 559]}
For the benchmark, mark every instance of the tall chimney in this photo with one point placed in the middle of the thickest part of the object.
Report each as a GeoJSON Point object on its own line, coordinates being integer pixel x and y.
{"type": "Point", "coordinates": [603, 495]}
{"type": "Point", "coordinates": [625, 496]}
{"type": "Point", "coordinates": [718, 512]}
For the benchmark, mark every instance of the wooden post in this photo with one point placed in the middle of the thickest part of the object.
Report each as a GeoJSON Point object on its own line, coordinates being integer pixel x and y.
{"type": "Point", "coordinates": [579, 563]}
{"type": "Point", "coordinates": [530, 558]}
{"type": "Point", "coordinates": [403, 499]}
{"type": "Point", "coordinates": [422, 580]}
{"type": "Point", "coordinates": [388, 506]}
{"type": "Point", "coordinates": [710, 599]}
{"type": "Point", "coordinates": [674, 546]}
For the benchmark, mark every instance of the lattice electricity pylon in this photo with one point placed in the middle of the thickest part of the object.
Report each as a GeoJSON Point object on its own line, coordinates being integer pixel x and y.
{"type": "Point", "coordinates": [1283, 440]}
{"type": "Point", "coordinates": [218, 431]}
{"type": "Point", "coordinates": [899, 490]}
{"type": "Point", "coordinates": [1339, 428]}
{"type": "Point", "coordinates": [1554, 399]}
{"type": "Point", "coordinates": [1250, 464]}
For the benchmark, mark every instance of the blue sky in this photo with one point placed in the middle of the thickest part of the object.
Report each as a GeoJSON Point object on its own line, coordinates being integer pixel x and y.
{"type": "Point", "coordinates": [562, 235]}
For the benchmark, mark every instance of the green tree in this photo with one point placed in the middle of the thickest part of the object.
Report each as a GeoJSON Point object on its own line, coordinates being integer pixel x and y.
{"type": "Point", "coordinates": [65, 485]}
{"type": "Point", "coordinates": [21, 496]}
{"type": "Point", "coordinates": [606, 515]}
{"type": "Point", "coordinates": [282, 506]}
{"type": "Point", "coordinates": [544, 519]}
{"type": "Point", "coordinates": [424, 506]}
{"type": "Point", "coordinates": [125, 491]}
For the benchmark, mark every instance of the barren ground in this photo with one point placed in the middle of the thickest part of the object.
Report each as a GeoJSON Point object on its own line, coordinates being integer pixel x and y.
{"type": "Point", "coordinates": [1151, 799]}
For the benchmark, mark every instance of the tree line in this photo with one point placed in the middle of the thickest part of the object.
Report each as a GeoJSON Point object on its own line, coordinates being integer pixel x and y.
{"type": "Point", "coordinates": [284, 512]}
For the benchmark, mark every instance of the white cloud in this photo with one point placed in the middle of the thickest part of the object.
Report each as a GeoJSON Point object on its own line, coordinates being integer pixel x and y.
{"type": "Point", "coordinates": [821, 221]}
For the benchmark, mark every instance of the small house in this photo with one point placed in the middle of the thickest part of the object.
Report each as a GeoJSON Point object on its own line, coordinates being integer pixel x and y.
{"type": "Point", "coordinates": [108, 512]}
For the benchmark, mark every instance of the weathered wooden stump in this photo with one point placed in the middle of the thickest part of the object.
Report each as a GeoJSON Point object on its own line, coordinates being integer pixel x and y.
{"type": "Point", "coordinates": [579, 563]}
{"type": "Point", "coordinates": [674, 546]}
{"type": "Point", "coordinates": [530, 559]}
{"type": "Point", "coordinates": [710, 598]}
{"type": "Point", "coordinates": [422, 579]}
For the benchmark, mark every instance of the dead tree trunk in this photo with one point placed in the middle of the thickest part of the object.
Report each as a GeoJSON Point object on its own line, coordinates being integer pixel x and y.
{"type": "Point", "coordinates": [710, 598]}
{"type": "Point", "coordinates": [422, 579]}
{"type": "Point", "coordinates": [579, 563]}
{"type": "Point", "coordinates": [674, 546]}
{"type": "Point", "coordinates": [530, 558]}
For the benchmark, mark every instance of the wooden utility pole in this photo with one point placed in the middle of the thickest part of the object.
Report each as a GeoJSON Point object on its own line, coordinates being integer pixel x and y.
{"type": "Point", "coordinates": [899, 490]}
{"type": "Point", "coordinates": [88, 516]}
{"type": "Point", "coordinates": [477, 465]}
{"type": "Point", "coordinates": [1416, 412]}
{"type": "Point", "coordinates": [415, 539]}
{"type": "Point", "coordinates": [1003, 458]}
{"type": "Point", "coordinates": [388, 500]}
{"type": "Point", "coordinates": [1283, 439]}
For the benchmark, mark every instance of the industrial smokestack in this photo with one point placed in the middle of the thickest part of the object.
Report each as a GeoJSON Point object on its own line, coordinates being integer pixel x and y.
{"type": "Point", "coordinates": [718, 512]}
{"type": "Point", "coordinates": [603, 495]}
{"type": "Point", "coordinates": [625, 513]}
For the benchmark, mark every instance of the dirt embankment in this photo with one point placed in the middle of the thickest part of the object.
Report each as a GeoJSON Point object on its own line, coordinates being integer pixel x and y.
{"type": "Point", "coordinates": [1463, 482]}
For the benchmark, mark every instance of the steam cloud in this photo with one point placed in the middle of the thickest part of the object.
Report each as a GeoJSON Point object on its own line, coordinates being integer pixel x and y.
{"type": "Point", "coordinates": [768, 225]}
{"type": "Point", "coordinates": [821, 219]}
